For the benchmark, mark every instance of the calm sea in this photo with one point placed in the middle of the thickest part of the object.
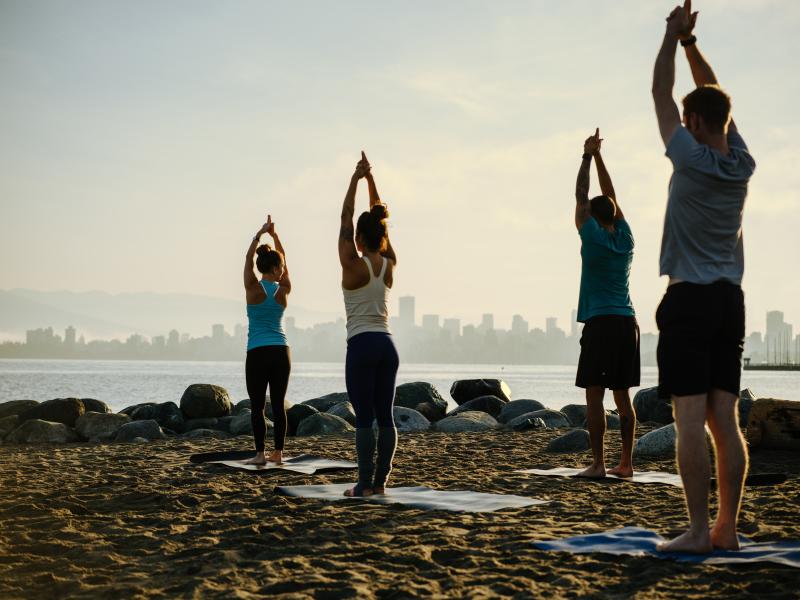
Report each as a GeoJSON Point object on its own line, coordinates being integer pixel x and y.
{"type": "Point", "coordinates": [122, 383]}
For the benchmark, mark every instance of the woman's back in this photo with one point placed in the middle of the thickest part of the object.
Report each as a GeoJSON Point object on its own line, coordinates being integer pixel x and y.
{"type": "Point", "coordinates": [367, 306]}
{"type": "Point", "coordinates": [265, 320]}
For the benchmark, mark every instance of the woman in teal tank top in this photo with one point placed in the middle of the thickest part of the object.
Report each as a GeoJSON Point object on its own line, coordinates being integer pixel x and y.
{"type": "Point", "coordinates": [268, 360]}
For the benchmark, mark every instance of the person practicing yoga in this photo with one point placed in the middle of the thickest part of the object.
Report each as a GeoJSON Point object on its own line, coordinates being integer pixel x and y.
{"type": "Point", "coordinates": [701, 316]}
{"type": "Point", "coordinates": [609, 356]}
{"type": "Point", "coordinates": [268, 359]}
{"type": "Point", "coordinates": [372, 361]}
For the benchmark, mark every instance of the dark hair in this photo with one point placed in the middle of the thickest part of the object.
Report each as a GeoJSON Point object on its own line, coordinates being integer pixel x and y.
{"type": "Point", "coordinates": [371, 227]}
{"type": "Point", "coordinates": [711, 104]}
{"type": "Point", "coordinates": [603, 209]}
{"type": "Point", "coordinates": [268, 258]}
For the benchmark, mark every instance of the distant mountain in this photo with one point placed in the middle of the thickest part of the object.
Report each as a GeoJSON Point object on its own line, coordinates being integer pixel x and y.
{"type": "Point", "coordinates": [102, 315]}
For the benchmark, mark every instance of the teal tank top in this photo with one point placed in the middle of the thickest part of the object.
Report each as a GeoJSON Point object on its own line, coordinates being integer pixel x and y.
{"type": "Point", "coordinates": [265, 320]}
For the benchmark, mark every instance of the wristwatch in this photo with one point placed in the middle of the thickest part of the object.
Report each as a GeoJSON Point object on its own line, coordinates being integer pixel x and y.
{"type": "Point", "coordinates": [688, 41]}
{"type": "Point", "coordinates": [586, 156]}
{"type": "Point", "coordinates": [257, 238]}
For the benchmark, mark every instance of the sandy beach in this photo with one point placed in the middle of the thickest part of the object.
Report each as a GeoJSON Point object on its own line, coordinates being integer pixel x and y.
{"type": "Point", "coordinates": [140, 521]}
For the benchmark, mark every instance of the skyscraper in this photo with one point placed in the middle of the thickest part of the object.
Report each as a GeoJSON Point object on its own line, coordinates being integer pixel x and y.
{"type": "Point", "coordinates": [407, 312]}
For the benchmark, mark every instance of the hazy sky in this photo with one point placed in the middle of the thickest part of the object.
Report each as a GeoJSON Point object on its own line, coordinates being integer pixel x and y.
{"type": "Point", "coordinates": [143, 143]}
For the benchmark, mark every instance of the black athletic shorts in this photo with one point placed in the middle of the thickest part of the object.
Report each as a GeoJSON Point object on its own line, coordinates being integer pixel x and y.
{"type": "Point", "coordinates": [609, 353]}
{"type": "Point", "coordinates": [701, 338]}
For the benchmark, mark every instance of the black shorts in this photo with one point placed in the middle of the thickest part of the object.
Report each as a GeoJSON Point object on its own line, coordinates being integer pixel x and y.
{"type": "Point", "coordinates": [701, 338]}
{"type": "Point", "coordinates": [609, 353]}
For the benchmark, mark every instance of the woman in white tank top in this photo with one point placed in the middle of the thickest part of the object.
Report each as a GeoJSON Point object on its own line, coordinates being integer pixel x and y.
{"type": "Point", "coordinates": [372, 361]}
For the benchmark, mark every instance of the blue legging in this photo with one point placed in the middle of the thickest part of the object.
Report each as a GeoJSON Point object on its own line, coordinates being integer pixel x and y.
{"type": "Point", "coordinates": [370, 374]}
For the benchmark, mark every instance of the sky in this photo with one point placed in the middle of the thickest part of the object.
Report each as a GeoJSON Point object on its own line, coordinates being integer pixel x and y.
{"type": "Point", "coordinates": [143, 144]}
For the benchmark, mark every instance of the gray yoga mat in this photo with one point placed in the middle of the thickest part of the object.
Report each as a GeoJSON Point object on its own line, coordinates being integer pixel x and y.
{"type": "Point", "coordinates": [306, 463]}
{"type": "Point", "coordinates": [417, 497]}
{"type": "Point", "coordinates": [635, 541]}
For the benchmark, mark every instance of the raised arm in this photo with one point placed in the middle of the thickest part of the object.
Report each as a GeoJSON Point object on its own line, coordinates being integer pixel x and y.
{"type": "Point", "coordinates": [374, 198]}
{"type": "Point", "coordinates": [285, 282]}
{"type": "Point", "coordinates": [702, 73]}
{"type": "Point", "coordinates": [348, 255]}
{"type": "Point", "coordinates": [582, 212]}
{"type": "Point", "coordinates": [606, 187]}
{"type": "Point", "coordinates": [251, 284]}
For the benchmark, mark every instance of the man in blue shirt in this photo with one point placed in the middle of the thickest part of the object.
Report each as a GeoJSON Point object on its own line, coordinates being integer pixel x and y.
{"type": "Point", "coordinates": [610, 339]}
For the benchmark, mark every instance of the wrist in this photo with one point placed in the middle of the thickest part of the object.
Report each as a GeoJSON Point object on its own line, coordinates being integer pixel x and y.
{"type": "Point", "coordinates": [587, 156]}
{"type": "Point", "coordinates": [688, 41]}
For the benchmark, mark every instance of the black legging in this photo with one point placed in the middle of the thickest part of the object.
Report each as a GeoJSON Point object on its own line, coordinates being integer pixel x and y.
{"type": "Point", "coordinates": [268, 366]}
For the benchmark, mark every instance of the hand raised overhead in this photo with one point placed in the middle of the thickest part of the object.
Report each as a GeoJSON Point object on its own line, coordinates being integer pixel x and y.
{"type": "Point", "coordinates": [681, 21]}
{"type": "Point", "coordinates": [593, 142]}
{"type": "Point", "coordinates": [270, 226]}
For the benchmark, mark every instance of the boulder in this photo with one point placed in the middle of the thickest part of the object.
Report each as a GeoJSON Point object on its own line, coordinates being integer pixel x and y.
{"type": "Point", "coordinates": [465, 390]}
{"type": "Point", "coordinates": [491, 405]}
{"type": "Point", "coordinates": [746, 399]}
{"type": "Point", "coordinates": [14, 407]}
{"type": "Point", "coordinates": [408, 420]}
{"type": "Point", "coordinates": [422, 397]}
{"type": "Point", "coordinates": [240, 406]}
{"type": "Point", "coordinates": [205, 433]}
{"type": "Point", "coordinates": [343, 410]}
{"type": "Point", "coordinates": [552, 418]}
{"type": "Point", "coordinates": [8, 424]}
{"type": "Point", "coordinates": [659, 443]}
{"type": "Point", "coordinates": [99, 426]}
{"type": "Point", "coordinates": [148, 429]}
{"type": "Point", "coordinates": [242, 424]}
{"type": "Point", "coordinates": [323, 403]}
{"type": "Point", "coordinates": [166, 414]}
{"type": "Point", "coordinates": [60, 410]}
{"type": "Point", "coordinates": [576, 440]}
{"type": "Point", "coordinates": [139, 440]}
{"type": "Point", "coordinates": [128, 410]}
{"type": "Point", "coordinates": [224, 423]}
{"type": "Point", "coordinates": [193, 424]}
{"type": "Point", "coordinates": [650, 408]}
{"type": "Point", "coordinates": [774, 424]}
{"type": "Point", "coordinates": [612, 421]}
{"type": "Point", "coordinates": [203, 400]}
{"type": "Point", "coordinates": [576, 414]}
{"type": "Point", "coordinates": [37, 431]}
{"type": "Point", "coordinates": [323, 424]}
{"type": "Point", "coordinates": [516, 408]}
{"type": "Point", "coordinates": [526, 422]}
{"type": "Point", "coordinates": [297, 413]}
{"type": "Point", "coordinates": [467, 421]}
{"type": "Point", "coordinates": [92, 405]}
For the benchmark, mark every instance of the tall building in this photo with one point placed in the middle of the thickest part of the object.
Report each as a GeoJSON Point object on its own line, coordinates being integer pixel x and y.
{"type": "Point", "coordinates": [551, 324]}
{"type": "Point", "coordinates": [69, 336]}
{"type": "Point", "coordinates": [430, 323]}
{"type": "Point", "coordinates": [487, 323]}
{"type": "Point", "coordinates": [519, 325]}
{"type": "Point", "coordinates": [407, 311]}
{"type": "Point", "coordinates": [174, 339]}
{"type": "Point", "coordinates": [218, 332]}
{"type": "Point", "coordinates": [778, 339]}
{"type": "Point", "coordinates": [452, 326]}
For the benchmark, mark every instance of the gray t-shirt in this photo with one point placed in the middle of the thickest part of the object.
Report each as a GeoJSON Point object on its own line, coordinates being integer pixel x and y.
{"type": "Point", "coordinates": [702, 241]}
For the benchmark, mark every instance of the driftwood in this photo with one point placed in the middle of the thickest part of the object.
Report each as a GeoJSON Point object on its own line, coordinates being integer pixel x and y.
{"type": "Point", "coordinates": [774, 424]}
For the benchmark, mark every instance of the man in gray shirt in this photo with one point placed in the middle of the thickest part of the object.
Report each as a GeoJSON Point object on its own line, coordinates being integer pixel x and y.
{"type": "Point", "coordinates": [701, 317]}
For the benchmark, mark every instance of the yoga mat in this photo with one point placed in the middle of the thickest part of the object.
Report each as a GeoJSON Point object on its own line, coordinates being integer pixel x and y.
{"type": "Point", "coordinates": [417, 497]}
{"type": "Point", "coordinates": [635, 541]}
{"type": "Point", "coordinates": [754, 479]}
{"type": "Point", "coordinates": [305, 463]}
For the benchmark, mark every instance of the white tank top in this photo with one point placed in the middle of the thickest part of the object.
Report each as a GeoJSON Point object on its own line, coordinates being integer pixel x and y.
{"type": "Point", "coordinates": [367, 307]}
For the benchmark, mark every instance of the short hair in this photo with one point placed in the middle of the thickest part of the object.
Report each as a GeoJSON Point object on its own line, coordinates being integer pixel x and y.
{"type": "Point", "coordinates": [711, 104]}
{"type": "Point", "coordinates": [372, 228]}
{"type": "Point", "coordinates": [267, 259]}
{"type": "Point", "coordinates": [603, 209]}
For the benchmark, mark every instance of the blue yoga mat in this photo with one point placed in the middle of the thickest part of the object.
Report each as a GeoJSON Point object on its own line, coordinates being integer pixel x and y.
{"type": "Point", "coordinates": [636, 541]}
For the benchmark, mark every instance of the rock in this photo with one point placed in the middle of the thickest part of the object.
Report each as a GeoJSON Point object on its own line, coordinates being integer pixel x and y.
{"type": "Point", "coordinates": [465, 390]}
{"type": "Point", "coordinates": [517, 408]}
{"type": "Point", "coordinates": [15, 407]}
{"type": "Point", "coordinates": [92, 405]}
{"type": "Point", "coordinates": [746, 399]}
{"type": "Point", "coordinates": [467, 421]}
{"type": "Point", "coordinates": [525, 423]}
{"type": "Point", "coordinates": [612, 421]}
{"type": "Point", "coordinates": [148, 429]}
{"type": "Point", "coordinates": [323, 424]}
{"type": "Point", "coordinates": [8, 424]}
{"type": "Point", "coordinates": [203, 400]}
{"type": "Point", "coordinates": [422, 397]}
{"type": "Point", "coordinates": [243, 424]}
{"type": "Point", "coordinates": [98, 427]}
{"type": "Point", "coordinates": [408, 420]}
{"type": "Point", "coordinates": [491, 405]}
{"type": "Point", "coordinates": [205, 433]}
{"type": "Point", "coordinates": [659, 443]}
{"type": "Point", "coordinates": [323, 403]}
{"type": "Point", "coordinates": [650, 408]}
{"type": "Point", "coordinates": [166, 414]}
{"type": "Point", "coordinates": [128, 410]}
{"type": "Point", "coordinates": [193, 424]}
{"type": "Point", "coordinates": [297, 413]}
{"type": "Point", "coordinates": [37, 431]}
{"type": "Point", "coordinates": [774, 424]}
{"type": "Point", "coordinates": [60, 410]}
{"type": "Point", "coordinates": [139, 440]}
{"type": "Point", "coordinates": [576, 414]}
{"type": "Point", "coordinates": [343, 410]}
{"type": "Point", "coordinates": [241, 406]}
{"type": "Point", "coordinates": [576, 440]}
{"type": "Point", "coordinates": [552, 418]}
{"type": "Point", "coordinates": [224, 423]}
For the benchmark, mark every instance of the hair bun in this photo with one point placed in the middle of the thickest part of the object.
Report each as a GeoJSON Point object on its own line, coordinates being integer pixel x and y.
{"type": "Point", "coordinates": [379, 212]}
{"type": "Point", "coordinates": [263, 250]}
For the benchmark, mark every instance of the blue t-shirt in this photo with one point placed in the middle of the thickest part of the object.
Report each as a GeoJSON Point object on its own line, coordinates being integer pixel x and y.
{"type": "Point", "coordinates": [606, 266]}
{"type": "Point", "coordinates": [265, 320]}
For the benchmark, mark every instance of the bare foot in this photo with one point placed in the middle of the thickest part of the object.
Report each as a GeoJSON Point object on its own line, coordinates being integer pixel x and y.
{"type": "Point", "coordinates": [258, 459]}
{"type": "Point", "coordinates": [276, 457]}
{"type": "Point", "coordinates": [723, 537]}
{"type": "Point", "coordinates": [593, 472]}
{"type": "Point", "coordinates": [694, 543]}
{"type": "Point", "coordinates": [621, 471]}
{"type": "Point", "coordinates": [378, 490]}
{"type": "Point", "coordinates": [358, 492]}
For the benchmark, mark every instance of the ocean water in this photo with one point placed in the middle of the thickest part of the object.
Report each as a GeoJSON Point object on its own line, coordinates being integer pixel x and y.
{"type": "Point", "coordinates": [123, 383]}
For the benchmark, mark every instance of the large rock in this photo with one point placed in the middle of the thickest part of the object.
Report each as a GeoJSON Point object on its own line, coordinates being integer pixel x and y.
{"type": "Point", "coordinates": [323, 403]}
{"type": "Point", "coordinates": [612, 421]}
{"type": "Point", "coordinates": [576, 414]}
{"type": "Point", "coordinates": [659, 443]}
{"type": "Point", "coordinates": [467, 421]}
{"type": "Point", "coordinates": [552, 418]}
{"type": "Point", "coordinates": [15, 407]}
{"type": "Point", "coordinates": [323, 424]}
{"type": "Point", "coordinates": [98, 427]}
{"type": "Point", "coordinates": [166, 414]}
{"type": "Point", "coordinates": [92, 405]}
{"type": "Point", "coordinates": [60, 410]}
{"type": "Point", "coordinates": [491, 405]}
{"type": "Point", "coordinates": [242, 424]}
{"type": "Point", "coordinates": [37, 431]}
{"type": "Point", "coordinates": [149, 430]}
{"type": "Point", "coordinates": [205, 433]}
{"type": "Point", "coordinates": [516, 408]}
{"type": "Point", "coordinates": [465, 390]}
{"type": "Point", "coordinates": [193, 424]}
{"type": "Point", "coordinates": [241, 406]}
{"type": "Point", "coordinates": [224, 423]}
{"type": "Point", "coordinates": [746, 399]}
{"type": "Point", "coordinates": [408, 420]}
{"type": "Point", "coordinates": [576, 440]}
{"type": "Point", "coordinates": [8, 424]}
{"type": "Point", "coordinates": [422, 397]}
{"type": "Point", "coordinates": [343, 410]}
{"type": "Point", "coordinates": [296, 414]}
{"type": "Point", "coordinates": [652, 409]}
{"type": "Point", "coordinates": [203, 400]}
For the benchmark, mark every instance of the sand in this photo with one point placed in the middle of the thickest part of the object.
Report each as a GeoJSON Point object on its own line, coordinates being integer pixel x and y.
{"type": "Point", "coordinates": [140, 521]}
